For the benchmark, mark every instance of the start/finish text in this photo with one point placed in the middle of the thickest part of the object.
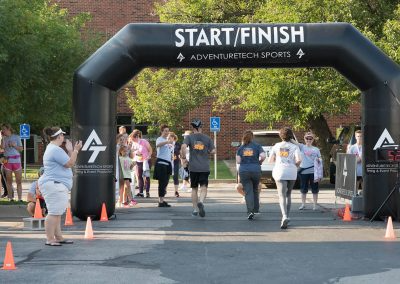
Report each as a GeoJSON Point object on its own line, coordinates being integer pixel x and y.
{"type": "Point", "coordinates": [239, 36]}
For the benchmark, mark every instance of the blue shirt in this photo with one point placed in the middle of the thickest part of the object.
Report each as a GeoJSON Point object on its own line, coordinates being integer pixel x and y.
{"type": "Point", "coordinates": [54, 159]}
{"type": "Point", "coordinates": [249, 157]}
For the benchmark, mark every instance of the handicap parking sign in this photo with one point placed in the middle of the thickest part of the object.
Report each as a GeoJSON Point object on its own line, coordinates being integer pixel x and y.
{"type": "Point", "coordinates": [215, 124]}
{"type": "Point", "coordinates": [24, 131]}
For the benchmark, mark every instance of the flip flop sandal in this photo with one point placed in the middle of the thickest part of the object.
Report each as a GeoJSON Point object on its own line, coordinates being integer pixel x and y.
{"type": "Point", "coordinates": [66, 242]}
{"type": "Point", "coordinates": [56, 244]}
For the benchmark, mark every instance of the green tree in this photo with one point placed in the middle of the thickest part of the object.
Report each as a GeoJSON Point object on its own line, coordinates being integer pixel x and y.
{"type": "Point", "coordinates": [40, 47]}
{"type": "Point", "coordinates": [303, 98]}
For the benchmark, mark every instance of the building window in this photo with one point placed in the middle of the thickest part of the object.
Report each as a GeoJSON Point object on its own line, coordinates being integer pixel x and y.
{"type": "Point", "coordinates": [130, 125]}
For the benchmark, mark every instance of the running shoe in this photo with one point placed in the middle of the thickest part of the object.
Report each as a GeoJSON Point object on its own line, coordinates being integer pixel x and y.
{"type": "Point", "coordinates": [302, 207]}
{"type": "Point", "coordinates": [139, 195]}
{"type": "Point", "coordinates": [163, 204]}
{"type": "Point", "coordinates": [284, 223]}
{"type": "Point", "coordinates": [176, 194]}
{"type": "Point", "coordinates": [147, 195]}
{"type": "Point", "coordinates": [133, 202]}
{"type": "Point", "coordinates": [202, 213]}
{"type": "Point", "coordinates": [195, 213]}
{"type": "Point", "coordinates": [250, 216]}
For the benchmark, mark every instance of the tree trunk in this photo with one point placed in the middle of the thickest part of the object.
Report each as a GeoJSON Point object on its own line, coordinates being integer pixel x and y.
{"type": "Point", "coordinates": [319, 126]}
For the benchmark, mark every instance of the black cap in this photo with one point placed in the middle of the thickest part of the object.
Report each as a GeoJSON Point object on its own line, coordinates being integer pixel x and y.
{"type": "Point", "coordinates": [196, 123]}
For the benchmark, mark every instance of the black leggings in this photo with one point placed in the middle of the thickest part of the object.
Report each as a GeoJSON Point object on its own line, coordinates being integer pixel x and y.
{"type": "Point", "coordinates": [163, 179]}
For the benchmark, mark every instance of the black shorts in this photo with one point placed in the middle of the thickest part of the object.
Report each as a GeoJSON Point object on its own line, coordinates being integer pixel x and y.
{"type": "Point", "coordinates": [199, 179]}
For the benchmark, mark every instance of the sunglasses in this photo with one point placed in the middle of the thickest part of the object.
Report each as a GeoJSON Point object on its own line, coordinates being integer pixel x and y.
{"type": "Point", "coordinates": [309, 138]}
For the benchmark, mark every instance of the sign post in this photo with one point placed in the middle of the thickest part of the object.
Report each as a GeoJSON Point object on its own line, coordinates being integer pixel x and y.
{"type": "Point", "coordinates": [24, 133]}
{"type": "Point", "coordinates": [215, 126]}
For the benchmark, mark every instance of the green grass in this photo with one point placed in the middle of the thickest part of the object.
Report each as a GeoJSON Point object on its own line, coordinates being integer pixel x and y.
{"type": "Point", "coordinates": [31, 173]}
{"type": "Point", "coordinates": [5, 201]}
{"type": "Point", "coordinates": [223, 171]}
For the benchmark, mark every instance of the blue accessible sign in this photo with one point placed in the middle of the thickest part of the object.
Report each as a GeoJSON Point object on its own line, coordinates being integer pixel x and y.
{"type": "Point", "coordinates": [24, 131]}
{"type": "Point", "coordinates": [215, 124]}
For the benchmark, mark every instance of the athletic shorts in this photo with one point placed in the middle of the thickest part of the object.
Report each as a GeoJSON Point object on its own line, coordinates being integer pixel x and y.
{"type": "Point", "coordinates": [12, 166]}
{"type": "Point", "coordinates": [199, 179]}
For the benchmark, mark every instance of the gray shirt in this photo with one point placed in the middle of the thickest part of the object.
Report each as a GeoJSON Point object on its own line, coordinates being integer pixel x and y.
{"type": "Point", "coordinates": [200, 147]}
{"type": "Point", "coordinates": [9, 151]}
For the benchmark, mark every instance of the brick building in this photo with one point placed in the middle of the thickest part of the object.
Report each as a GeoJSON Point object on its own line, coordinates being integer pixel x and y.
{"type": "Point", "coordinates": [109, 16]}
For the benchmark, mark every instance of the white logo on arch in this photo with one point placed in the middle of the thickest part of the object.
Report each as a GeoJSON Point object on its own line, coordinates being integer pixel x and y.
{"type": "Point", "coordinates": [384, 139]}
{"type": "Point", "coordinates": [93, 143]}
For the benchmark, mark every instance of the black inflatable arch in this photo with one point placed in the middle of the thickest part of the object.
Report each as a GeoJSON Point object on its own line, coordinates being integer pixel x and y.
{"type": "Point", "coordinates": [137, 46]}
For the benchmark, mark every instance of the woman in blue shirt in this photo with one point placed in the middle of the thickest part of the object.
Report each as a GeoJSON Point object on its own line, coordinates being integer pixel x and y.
{"type": "Point", "coordinates": [250, 157]}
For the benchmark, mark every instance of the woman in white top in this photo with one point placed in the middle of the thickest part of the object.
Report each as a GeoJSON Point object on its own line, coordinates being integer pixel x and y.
{"type": "Point", "coordinates": [286, 156]}
{"type": "Point", "coordinates": [56, 182]}
{"type": "Point", "coordinates": [309, 156]}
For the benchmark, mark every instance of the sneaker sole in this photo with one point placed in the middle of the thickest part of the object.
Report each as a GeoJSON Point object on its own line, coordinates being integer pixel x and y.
{"type": "Point", "coordinates": [202, 213]}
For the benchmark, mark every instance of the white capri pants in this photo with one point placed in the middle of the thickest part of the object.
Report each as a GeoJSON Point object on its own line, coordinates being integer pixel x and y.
{"type": "Point", "coordinates": [56, 196]}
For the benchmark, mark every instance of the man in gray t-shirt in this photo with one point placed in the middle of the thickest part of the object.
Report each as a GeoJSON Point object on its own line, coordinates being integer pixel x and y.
{"type": "Point", "coordinates": [200, 146]}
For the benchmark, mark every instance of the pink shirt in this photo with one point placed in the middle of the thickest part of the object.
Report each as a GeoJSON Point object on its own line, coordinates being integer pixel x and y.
{"type": "Point", "coordinates": [141, 150]}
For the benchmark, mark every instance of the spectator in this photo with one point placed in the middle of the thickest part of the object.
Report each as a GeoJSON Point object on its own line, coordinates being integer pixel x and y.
{"type": "Point", "coordinates": [309, 156]}
{"type": "Point", "coordinates": [126, 164]}
{"type": "Point", "coordinates": [286, 156]}
{"type": "Point", "coordinates": [34, 195]}
{"type": "Point", "coordinates": [356, 149]}
{"type": "Point", "coordinates": [185, 167]}
{"type": "Point", "coordinates": [56, 181]}
{"type": "Point", "coordinates": [163, 167]}
{"type": "Point", "coordinates": [12, 145]}
{"type": "Point", "coordinates": [176, 161]}
{"type": "Point", "coordinates": [141, 152]}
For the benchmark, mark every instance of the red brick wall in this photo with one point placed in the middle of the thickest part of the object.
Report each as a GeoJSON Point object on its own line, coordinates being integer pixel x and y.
{"type": "Point", "coordinates": [109, 16]}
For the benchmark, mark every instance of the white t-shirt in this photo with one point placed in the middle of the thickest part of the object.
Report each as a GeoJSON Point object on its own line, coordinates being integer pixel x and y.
{"type": "Point", "coordinates": [357, 150]}
{"type": "Point", "coordinates": [286, 154]}
{"type": "Point", "coordinates": [164, 152]}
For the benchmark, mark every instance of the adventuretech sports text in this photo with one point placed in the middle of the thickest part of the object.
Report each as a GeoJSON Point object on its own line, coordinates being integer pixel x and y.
{"type": "Point", "coordinates": [230, 36]}
{"type": "Point", "coordinates": [241, 55]}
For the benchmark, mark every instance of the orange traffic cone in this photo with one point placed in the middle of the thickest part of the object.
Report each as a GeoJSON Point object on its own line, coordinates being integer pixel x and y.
{"type": "Point", "coordinates": [89, 230]}
{"type": "Point", "coordinates": [38, 211]}
{"type": "Point", "coordinates": [389, 230]}
{"type": "Point", "coordinates": [9, 258]}
{"type": "Point", "coordinates": [68, 218]}
{"type": "Point", "coordinates": [103, 217]}
{"type": "Point", "coordinates": [347, 214]}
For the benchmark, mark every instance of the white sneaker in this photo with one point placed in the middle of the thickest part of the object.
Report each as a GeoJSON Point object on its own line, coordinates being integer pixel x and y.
{"type": "Point", "coordinates": [302, 206]}
{"type": "Point", "coordinates": [183, 188]}
{"type": "Point", "coordinates": [243, 200]}
{"type": "Point", "coordinates": [315, 207]}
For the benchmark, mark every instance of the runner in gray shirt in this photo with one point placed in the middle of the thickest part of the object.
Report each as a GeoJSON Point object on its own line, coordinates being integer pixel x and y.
{"type": "Point", "coordinates": [200, 146]}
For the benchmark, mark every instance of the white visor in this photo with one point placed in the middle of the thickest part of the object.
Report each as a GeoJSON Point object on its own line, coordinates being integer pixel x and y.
{"type": "Point", "coordinates": [58, 133]}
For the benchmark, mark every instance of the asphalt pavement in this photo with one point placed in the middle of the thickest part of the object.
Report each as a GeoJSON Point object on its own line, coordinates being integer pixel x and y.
{"type": "Point", "coordinates": [147, 244]}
